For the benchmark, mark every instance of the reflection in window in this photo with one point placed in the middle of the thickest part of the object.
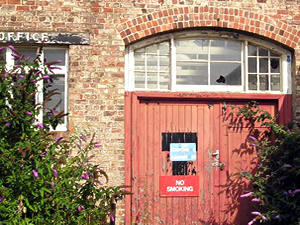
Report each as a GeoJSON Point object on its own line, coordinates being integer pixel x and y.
{"type": "Point", "coordinates": [196, 64]}
{"type": "Point", "coordinates": [203, 62]}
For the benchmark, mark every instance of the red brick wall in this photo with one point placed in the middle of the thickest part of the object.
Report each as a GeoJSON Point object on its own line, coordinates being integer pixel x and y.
{"type": "Point", "coordinates": [96, 78]}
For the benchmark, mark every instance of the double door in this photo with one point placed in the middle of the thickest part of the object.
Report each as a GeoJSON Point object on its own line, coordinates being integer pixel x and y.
{"type": "Point", "coordinates": [202, 185]}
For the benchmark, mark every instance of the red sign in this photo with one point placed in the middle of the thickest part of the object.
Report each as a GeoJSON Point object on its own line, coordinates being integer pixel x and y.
{"type": "Point", "coordinates": [179, 185]}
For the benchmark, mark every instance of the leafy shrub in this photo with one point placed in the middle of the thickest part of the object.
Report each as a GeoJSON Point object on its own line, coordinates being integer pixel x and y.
{"type": "Point", "coordinates": [45, 180]}
{"type": "Point", "coordinates": [276, 182]}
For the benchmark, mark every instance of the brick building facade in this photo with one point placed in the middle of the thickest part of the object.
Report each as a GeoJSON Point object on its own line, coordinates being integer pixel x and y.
{"type": "Point", "coordinates": [96, 74]}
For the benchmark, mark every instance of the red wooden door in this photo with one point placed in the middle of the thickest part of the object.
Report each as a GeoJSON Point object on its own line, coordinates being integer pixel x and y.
{"type": "Point", "coordinates": [218, 199]}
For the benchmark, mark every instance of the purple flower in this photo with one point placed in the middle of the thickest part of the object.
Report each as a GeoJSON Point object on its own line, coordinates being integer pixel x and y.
{"type": "Point", "coordinates": [29, 113]}
{"type": "Point", "coordinates": [246, 195]}
{"type": "Point", "coordinates": [15, 55]}
{"type": "Point", "coordinates": [1, 49]}
{"type": "Point", "coordinates": [296, 191]}
{"type": "Point", "coordinates": [45, 153]}
{"type": "Point", "coordinates": [58, 139]}
{"type": "Point", "coordinates": [52, 184]}
{"type": "Point", "coordinates": [1, 199]}
{"type": "Point", "coordinates": [97, 145]}
{"type": "Point", "coordinates": [256, 213]}
{"type": "Point", "coordinates": [11, 47]}
{"type": "Point", "coordinates": [40, 125]}
{"type": "Point", "coordinates": [251, 222]}
{"type": "Point", "coordinates": [54, 67]}
{"type": "Point", "coordinates": [83, 138]}
{"type": "Point", "coordinates": [81, 207]}
{"type": "Point", "coordinates": [37, 73]}
{"type": "Point", "coordinates": [277, 217]}
{"type": "Point", "coordinates": [255, 200]}
{"type": "Point", "coordinates": [21, 76]}
{"type": "Point", "coordinates": [287, 166]}
{"type": "Point", "coordinates": [85, 176]}
{"type": "Point", "coordinates": [252, 138]}
{"type": "Point", "coordinates": [52, 111]}
{"type": "Point", "coordinates": [111, 217]}
{"type": "Point", "coordinates": [55, 172]}
{"type": "Point", "coordinates": [264, 218]}
{"type": "Point", "coordinates": [46, 77]}
{"type": "Point", "coordinates": [7, 124]}
{"type": "Point", "coordinates": [100, 183]}
{"type": "Point", "coordinates": [35, 173]}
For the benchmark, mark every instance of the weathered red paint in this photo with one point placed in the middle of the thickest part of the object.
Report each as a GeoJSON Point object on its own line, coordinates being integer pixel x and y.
{"type": "Point", "coordinates": [179, 185]}
{"type": "Point", "coordinates": [147, 115]}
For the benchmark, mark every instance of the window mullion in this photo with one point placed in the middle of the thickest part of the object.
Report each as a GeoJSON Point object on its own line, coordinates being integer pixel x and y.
{"type": "Point", "coordinates": [173, 65]}
{"type": "Point", "coordinates": [158, 67]}
{"type": "Point", "coordinates": [39, 97]}
{"type": "Point", "coordinates": [245, 64]}
{"type": "Point", "coordinates": [208, 63]}
{"type": "Point", "coordinates": [257, 69]}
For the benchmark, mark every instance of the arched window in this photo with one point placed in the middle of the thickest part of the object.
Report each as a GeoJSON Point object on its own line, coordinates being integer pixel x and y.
{"type": "Point", "coordinates": [208, 61]}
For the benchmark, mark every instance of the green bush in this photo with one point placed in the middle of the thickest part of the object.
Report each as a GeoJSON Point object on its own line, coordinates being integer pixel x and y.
{"type": "Point", "coordinates": [45, 180]}
{"type": "Point", "coordinates": [276, 181]}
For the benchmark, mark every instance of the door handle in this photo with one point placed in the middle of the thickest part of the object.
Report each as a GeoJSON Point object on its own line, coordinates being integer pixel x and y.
{"type": "Point", "coordinates": [216, 162]}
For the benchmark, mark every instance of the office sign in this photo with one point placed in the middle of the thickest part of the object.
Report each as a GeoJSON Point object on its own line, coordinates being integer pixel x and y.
{"type": "Point", "coordinates": [44, 37]}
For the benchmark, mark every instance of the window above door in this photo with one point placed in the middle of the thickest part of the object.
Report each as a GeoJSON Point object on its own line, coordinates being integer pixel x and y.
{"type": "Point", "coordinates": [208, 61]}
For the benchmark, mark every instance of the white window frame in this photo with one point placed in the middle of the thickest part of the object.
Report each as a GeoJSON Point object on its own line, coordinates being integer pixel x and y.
{"type": "Point", "coordinates": [40, 96]}
{"type": "Point", "coordinates": [285, 65]}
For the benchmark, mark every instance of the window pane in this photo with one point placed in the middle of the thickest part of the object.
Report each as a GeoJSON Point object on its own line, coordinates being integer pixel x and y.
{"type": "Point", "coordinates": [152, 80]}
{"type": "Point", "coordinates": [252, 50]}
{"type": "Point", "coordinates": [164, 63]}
{"type": "Point", "coordinates": [192, 73]}
{"type": "Point", "coordinates": [192, 50]}
{"type": "Point", "coordinates": [275, 65]}
{"type": "Point", "coordinates": [164, 48]}
{"type": "Point", "coordinates": [54, 55]}
{"type": "Point", "coordinates": [252, 65]}
{"type": "Point", "coordinates": [225, 74]}
{"type": "Point", "coordinates": [263, 65]}
{"type": "Point", "coordinates": [28, 52]}
{"type": "Point", "coordinates": [275, 82]}
{"type": "Point", "coordinates": [252, 82]}
{"type": "Point", "coordinates": [56, 101]}
{"type": "Point", "coordinates": [274, 54]}
{"type": "Point", "coordinates": [139, 80]}
{"type": "Point", "coordinates": [225, 50]}
{"type": "Point", "coordinates": [3, 55]}
{"type": "Point", "coordinates": [263, 52]}
{"type": "Point", "coordinates": [164, 80]}
{"type": "Point", "coordinates": [151, 49]}
{"type": "Point", "coordinates": [139, 61]}
{"type": "Point", "coordinates": [152, 63]}
{"type": "Point", "coordinates": [263, 82]}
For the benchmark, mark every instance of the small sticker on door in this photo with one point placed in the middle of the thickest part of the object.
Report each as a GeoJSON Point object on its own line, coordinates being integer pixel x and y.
{"type": "Point", "coordinates": [183, 151]}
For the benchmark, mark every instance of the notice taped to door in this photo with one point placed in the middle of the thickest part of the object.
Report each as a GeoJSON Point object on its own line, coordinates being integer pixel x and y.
{"type": "Point", "coordinates": [179, 185]}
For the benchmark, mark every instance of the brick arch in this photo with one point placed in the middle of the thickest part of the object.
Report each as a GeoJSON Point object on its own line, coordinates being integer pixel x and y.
{"type": "Point", "coordinates": [204, 16]}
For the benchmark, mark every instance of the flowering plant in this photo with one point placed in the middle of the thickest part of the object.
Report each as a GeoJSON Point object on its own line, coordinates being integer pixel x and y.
{"type": "Point", "coordinates": [276, 182]}
{"type": "Point", "coordinates": [43, 179]}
